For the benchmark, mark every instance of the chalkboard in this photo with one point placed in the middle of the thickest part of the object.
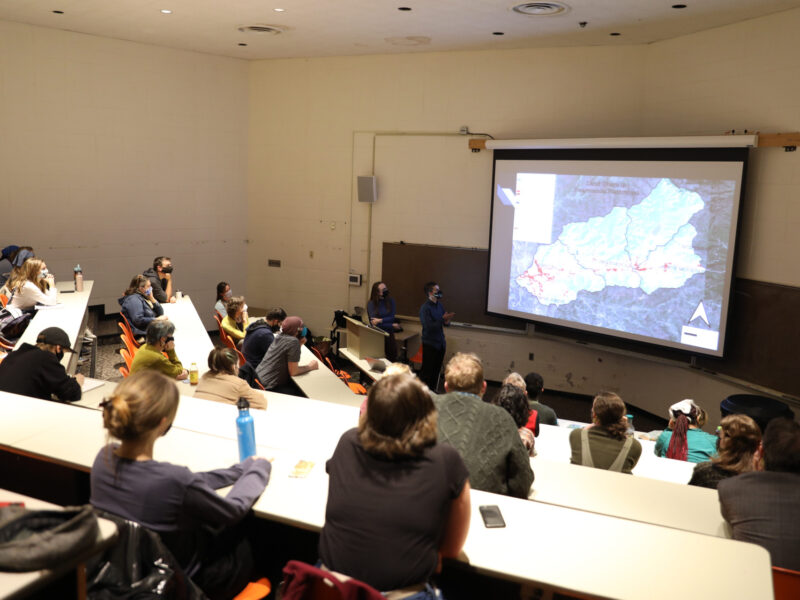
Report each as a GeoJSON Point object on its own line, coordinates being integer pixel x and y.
{"type": "Point", "coordinates": [763, 330]}
{"type": "Point", "coordinates": [462, 274]}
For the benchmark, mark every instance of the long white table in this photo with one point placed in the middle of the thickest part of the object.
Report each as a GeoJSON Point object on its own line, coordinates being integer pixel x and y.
{"type": "Point", "coordinates": [580, 551]}
{"type": "Point", "coordinates": [192, 343]}
{"type": "Point", "coordinates": [70, 314]}
{"type": "Point", "coordinates": [323, 384]}
{"type": "Point", "coordinates": [21, 585]}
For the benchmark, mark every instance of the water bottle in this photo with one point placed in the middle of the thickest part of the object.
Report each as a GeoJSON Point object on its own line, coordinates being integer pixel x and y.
{"type": "Point", "coordinates": [245, 432]}
{"type": "Point", "coordinates": [78, 275]}
{"type": "Point", "coordinates": [630, 431]}
{"type": "Point", "coordinates": [194, 374]}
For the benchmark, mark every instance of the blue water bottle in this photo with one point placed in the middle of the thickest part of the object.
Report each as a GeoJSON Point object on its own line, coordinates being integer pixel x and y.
{"type": "Point", "coordinates": [245, 431]}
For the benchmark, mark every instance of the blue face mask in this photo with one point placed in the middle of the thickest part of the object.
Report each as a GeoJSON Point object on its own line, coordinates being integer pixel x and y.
{"type": "Point", "coordinates": [44, 273]}
{"type": "Point", "coordinates": [148, 291]}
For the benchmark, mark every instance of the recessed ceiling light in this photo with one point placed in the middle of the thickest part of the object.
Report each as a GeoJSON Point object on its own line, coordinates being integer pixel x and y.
{"type": "Point", "coordinates": [498, 33]}
{"type": "Point", "coordinates": [405, 8]}
{"type": "Point", "coordinates": [58, 12]}
{"type": "Point", "coordinates": [616, 33]}
{"type": "Point", "coordinates": [166, 11]}
{"type": "Point", "coordinates": [262, 29]}
{"type": "Point", "coordinates": [678, 6]}
{"type": "Point", "coordinates": [541, 9]}
{"type": "Point", "coordinates": [279, 9]}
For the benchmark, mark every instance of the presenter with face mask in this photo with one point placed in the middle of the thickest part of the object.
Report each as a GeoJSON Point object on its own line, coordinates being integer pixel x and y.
{"type": "Point", "coordinates": [381, 310]}
{"type": "Point", "coordinates": [433, 318]}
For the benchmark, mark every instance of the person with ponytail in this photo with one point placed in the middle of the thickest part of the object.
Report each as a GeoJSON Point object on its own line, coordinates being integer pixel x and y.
{"type": "Point", "coordinates": [206, 531]}
{"type": "Point", "coordinates": [738, 441]}
{"type": "Point", "coordinates": [603, 444]}
{"type": "Point", "coordinates": [684, 439]}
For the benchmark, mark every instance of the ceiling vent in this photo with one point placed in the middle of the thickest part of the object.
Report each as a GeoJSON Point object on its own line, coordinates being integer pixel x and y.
{"type": "Point", "coordinates": [261, 29]}
{"type": "Point", "coordinates": [541, 9]}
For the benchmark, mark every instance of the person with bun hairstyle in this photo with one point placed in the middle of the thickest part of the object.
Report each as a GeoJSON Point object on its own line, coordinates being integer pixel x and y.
{"type": "Point", "coordinates": [738, 441]}
{"type": "Point", "coordinates": [222, 382]}
{"type": "Point", "coordinates": [203, 529]}
{"type": "Point", "coordinates": [603, 444]}
{"type": "Point", "coordinates": [684, 439]}
{"type": "Point", "coordinates": [398, 501]}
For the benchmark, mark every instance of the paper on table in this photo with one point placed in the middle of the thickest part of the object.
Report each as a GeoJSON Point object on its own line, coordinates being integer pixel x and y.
{"type": "Point", "coordinates": [43, 307]}
{"type": "Point", "coordinates": [91, 384]}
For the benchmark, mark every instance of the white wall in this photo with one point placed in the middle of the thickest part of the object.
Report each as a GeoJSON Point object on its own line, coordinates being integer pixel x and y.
{"type": "Point", "coordinates": [318, 123]}
{"type": "Point", "coordinates": [113, 152]}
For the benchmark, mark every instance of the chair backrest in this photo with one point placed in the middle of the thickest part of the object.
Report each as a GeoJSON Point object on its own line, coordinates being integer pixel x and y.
{"type": "Point", "coordinates": [259, 384]}
{"type": "Point", "coordinates": [126, 356]}
{"type": "Point", "coordinates": [226, 339]}
{"type": "Point", "coordinates": [218, 319]}
{"type": "Point", "coordinates": [786, 583]}
{"type": "Point", "coordinates": [128, 332]}
{"type": "Point", "coordinates": [3, 300]}
{"type": "Point", "coordinates": [302, 581]}
{"type": "Point", "coordinates": [124, 371]}
{"type": "Point", "coordinates": [242, 359]}
{"type": "Point", "coordinates": [128, 344]}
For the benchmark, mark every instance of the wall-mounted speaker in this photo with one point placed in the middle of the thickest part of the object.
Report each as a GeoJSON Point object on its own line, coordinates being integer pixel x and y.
{"type": "Point", "coordinates": [367, 189]}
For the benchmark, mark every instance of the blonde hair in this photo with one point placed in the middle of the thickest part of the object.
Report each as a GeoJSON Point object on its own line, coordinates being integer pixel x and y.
{"type": "Point", "coordinates": [28, 271]}
{"type": "Point", "coordinates": [139, 404]}
{"type": "Point", "coordinates": [464, 373]}
{"type": "Point", "coordinates": [516, 380]}
{"type": "Point", "coordinates": [397, 368]}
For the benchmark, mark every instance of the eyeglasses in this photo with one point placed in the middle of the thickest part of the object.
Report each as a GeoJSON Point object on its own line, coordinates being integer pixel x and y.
{"type": "Point", "coordinates": [170, 339]}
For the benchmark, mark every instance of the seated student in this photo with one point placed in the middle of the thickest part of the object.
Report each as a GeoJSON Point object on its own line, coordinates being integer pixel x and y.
{"type": "Point", "coordinates": [739, 438]}
{"type": "Point", "coordinates": [381, 310]}
{"type": "Point", "coordinates": [259, 336]}
{"type": "Point", "coordinates": [763, 507]}
{"type": "Point", "coordinates": [532, 423]}
{"type": "Point", "coordinates": [514, 401]}
{"type": "Point", "coordinates": [150, 356]}
{"type": "Point", "coordinates": [203, 529]}
{"type": "Point", "coordinates": [398, 501]}
{"type": "Point", "coordinates": [283, 357]}
{"type": "Point", "coordinates": [603, 444]}
{"type": "Point", "coordinates": [222, 382]}
{"type": "Point", "coordinates": [37, 371]}
{"type": "Point", "coordinates": [684, 440]}
{"type": "Point", "coordinates": [224, 294]}
{"type": "Point", "coordinates": [485, 435]}
{"type": "Point", "coordinates": [139, 305]}
{"type": "Point", "coordinates": [30, 285]}
{"type": "Point", "coordinates": [534, 385]}
{"type": "Point", "coordinates": [235, 321]}
{"type": "Point", "coordinates": [160, 275]}
{"type": "Point", "coordinates": [13, 258]}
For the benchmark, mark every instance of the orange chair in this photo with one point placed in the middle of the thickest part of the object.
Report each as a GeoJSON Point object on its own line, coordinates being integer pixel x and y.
{"type": "Point", "coordinates": [786, 583]}
{"type": "Point", "coordinates": [241, 357]}
{"type": "Point", "coordinates": [417, 358]}
{"type": "Point", "coordinates": [4, 354]}
{"type": "Point", "coordinates": [124, 370]}
{"type": "Point", "coordinates": [255, 590]}
{"type": "Point", "coordinates": [217, 318]}
{"type": "Point", "coordinates": [226, 339]}
{"type": "Point", "coordinates": [259, 384]}
{"type": "Point", "coordinates": [129, 345]}
{"type": "Point", "coordinates": [128, 333]}
{"type": "Point", "coordinates": [6, 344]}
{"type": "Point", "coordinates": [126, 356]}
{"type": "Point", "coordinates": [3, 300]}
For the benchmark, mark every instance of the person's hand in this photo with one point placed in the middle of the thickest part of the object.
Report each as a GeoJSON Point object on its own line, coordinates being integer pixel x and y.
{"type": "Point", "coordinates": [183, 375]}
{"type": "Point", "coordinates": [396, 326]}
{"type": "Point", "coordinates": [375, 322]}
{"type": "Point", "coordinates": [79, 378]}
{"type": "Point", "coordinates": [447, 316]}
{"type": "Point", "coordinates": [167, 276]}
{"type": "Point", "coordinates": [162, 318]}
{"type": "Point", "coordinates": [313, 365]}
{"type": "Point", "coordinates": [170, 345]}
{"type": "Point", "coordinates": [173, 300]}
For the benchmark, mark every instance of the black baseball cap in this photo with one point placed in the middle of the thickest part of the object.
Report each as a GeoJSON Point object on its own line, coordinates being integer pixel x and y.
{"type": "Point", "coordinates": [54, 336]}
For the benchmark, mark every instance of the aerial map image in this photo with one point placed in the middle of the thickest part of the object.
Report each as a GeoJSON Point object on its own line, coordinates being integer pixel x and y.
{"type": "Point", "coordinates": [640, 255]}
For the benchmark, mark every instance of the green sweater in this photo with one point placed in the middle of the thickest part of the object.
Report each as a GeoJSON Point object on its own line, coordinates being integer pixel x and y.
{"type": "Point", "coordinates": [150, 357]}
{"type": "Point", "coordinates": [604, 449]}
{"type": "Point", "coordinates": [487, 439]}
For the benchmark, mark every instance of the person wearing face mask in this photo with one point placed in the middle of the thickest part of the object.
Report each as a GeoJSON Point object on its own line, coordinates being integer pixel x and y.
{"type": "Point", "coordinates": [151, 355]}
{"type": "Point", "coordinates": [281, 362]}
{"type": "Point", "coordinates": [140, 306]}
{"type": "Point", "coordinates": [31, 284]}
{"type": "Point", "coordinates": [161, 278]}
{"type": "Point", "coordinates": [381, 310]}
{"type": "Point", "coordinates": [37, 371]}
{"type": "Point", "coordinates": [260, 334]}
{"type": "Point", "coordinates": [434, 318]}
{"type": "Point", "coordinates": [224, 294]}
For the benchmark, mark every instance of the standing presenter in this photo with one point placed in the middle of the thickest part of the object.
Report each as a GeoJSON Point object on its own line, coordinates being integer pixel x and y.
{"type": "Point", "coordinates": [433, 318]}
{"type": "Point", "coordinates": [381, 310]}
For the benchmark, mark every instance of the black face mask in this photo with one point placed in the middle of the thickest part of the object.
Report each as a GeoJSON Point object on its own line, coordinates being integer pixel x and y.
{"type": "Point", "coordinates": [275, 328]}
{"type": "Point", "coordinates": [60, 355]}
{"type": "Point", "coordinates": [166, 269]}
{"type": "Point", "coordinates": [438, 294]}
{"type": "Point", "coordinates": [385, 293]}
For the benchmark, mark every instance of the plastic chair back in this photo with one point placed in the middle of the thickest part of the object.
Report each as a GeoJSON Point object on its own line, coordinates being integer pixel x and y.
{"type": "Point", "coordinates": [126, 356]}
{"type": "Point", "coordinates": [417, 358]}
{"type": "Point", "coordinates": [127, 331]}
{"type": "Point", "coordinates": [124, 371]}
{"type": "Point", "coordinates": [241, 357]}
{"type": "Point", "coordinates": [3, 300]}
{"type": "Point", "coordinates": [255, 590]}
{"type": "Point", "coordinates": [786, 583]}
{"type": "Point", "coordinates": [129, 346]}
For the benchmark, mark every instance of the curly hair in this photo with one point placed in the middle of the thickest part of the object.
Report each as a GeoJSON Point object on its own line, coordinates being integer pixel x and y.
{"type": "Point", "coordinates": [400, 420]}
{"type": "Point", "coordinates": [514, 400]}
